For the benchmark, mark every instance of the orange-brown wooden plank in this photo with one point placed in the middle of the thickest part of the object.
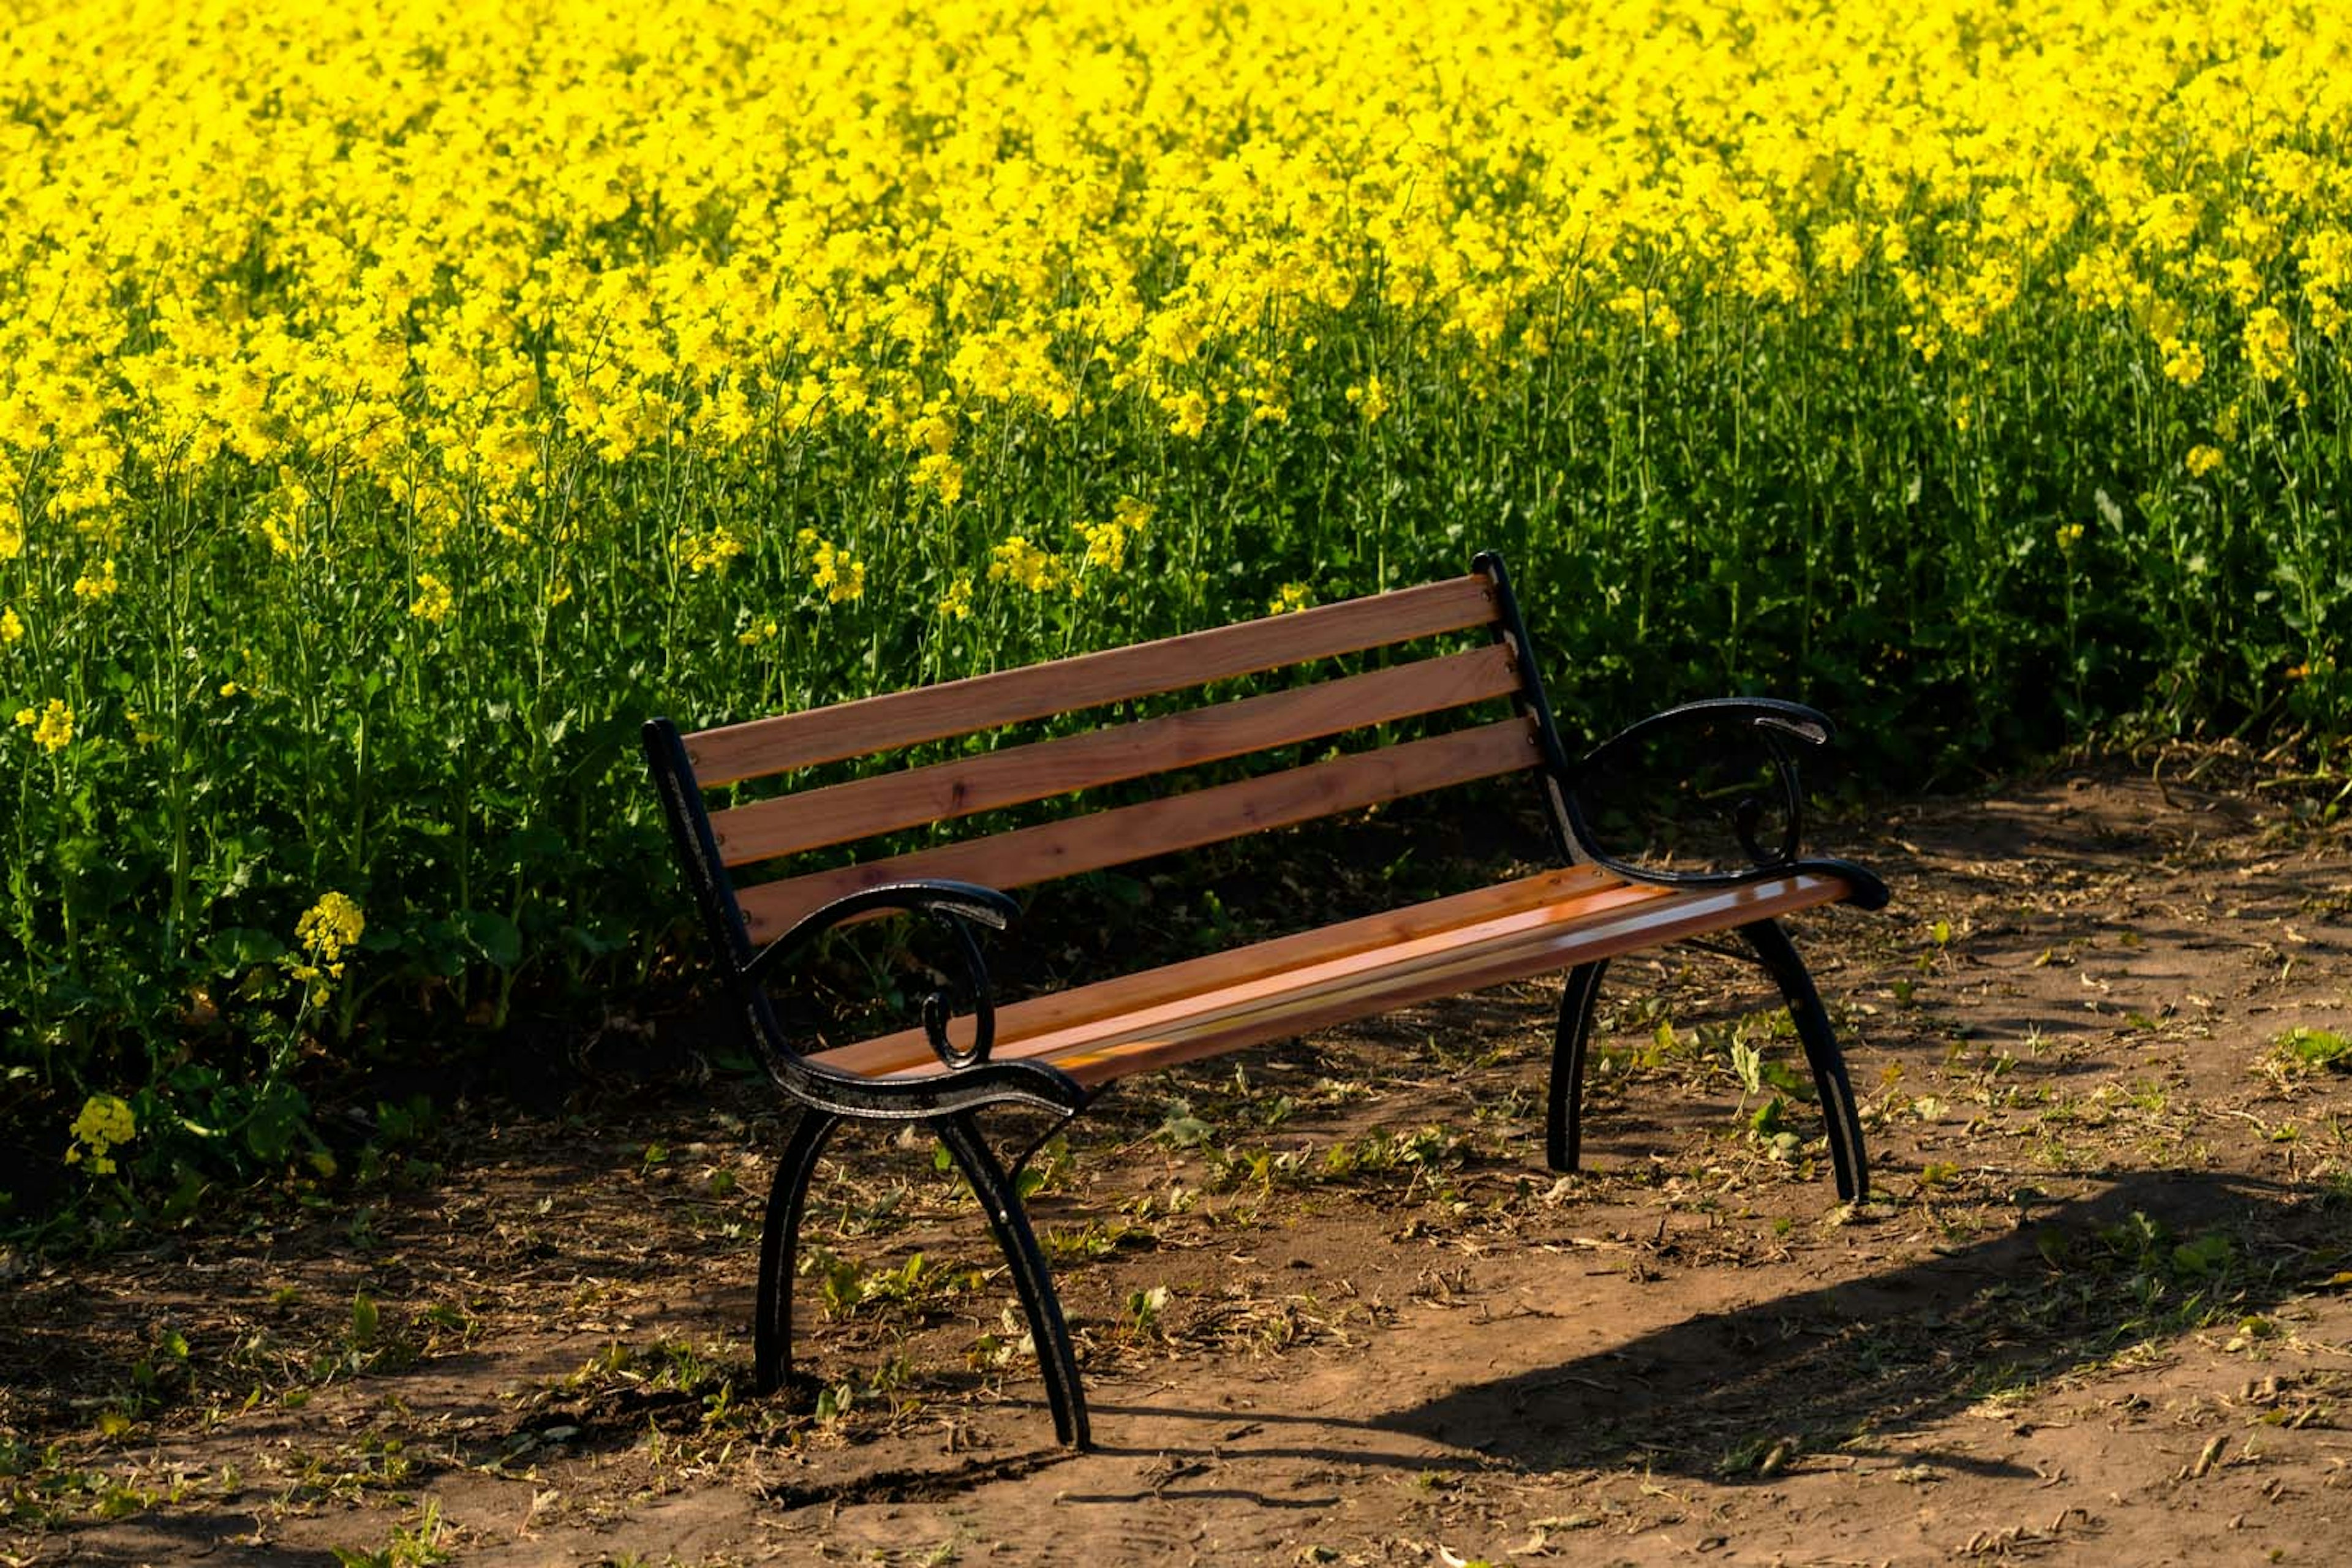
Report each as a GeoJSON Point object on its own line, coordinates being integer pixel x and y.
{"type": "Point", "coordinates": [1130, 993]}
{"type": "Point", "coordinates": [862, 807]}
{"type": "Point", "coordinates": [1281, 992]}
{"type": "Point", "coordinates": [1610, 918]}
{"type": "Point", "coordinates": [1377, 990]}
{"type": "Point", "coordinates": [1101, 838]}
{"type": "Point", "coordinates": [1033, 691]}
{"type": "Point", "coordinates": [1377, 983]}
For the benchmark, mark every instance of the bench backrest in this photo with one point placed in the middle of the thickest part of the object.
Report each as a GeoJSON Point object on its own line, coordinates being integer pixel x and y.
{"type": "Point", "coordinates": [786, 824]}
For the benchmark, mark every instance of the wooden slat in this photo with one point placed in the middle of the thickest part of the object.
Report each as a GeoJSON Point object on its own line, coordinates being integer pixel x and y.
{"type": "Point", "coordinates": [1601, 922]}
{"type": "Point", "coordinates": [1101, 838]}
{"type": "Point", "coordinates": [1033, 691]}
{"type": "Point", "coordinates": [1379, 990]}
{"type": "Point", "coordinates": [862, 807]}
{"type": "Point", "coordinates": [1130, 993]}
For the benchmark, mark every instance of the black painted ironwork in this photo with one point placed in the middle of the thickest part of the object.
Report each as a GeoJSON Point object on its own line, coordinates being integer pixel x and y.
{"type": "Point", "coordinates": [780, 1238]}
{"type": "Point", "coordinates": [1000, 1200]}
{"type": "Point", "coordinates": [944, 1102]}
{"type": "Point", "coordinates": [1058, 1359]}
{"type": "Point", "coordinates": [976, 1082]}
{"type": "Point", "coordinates": [1564, 1102]}
{"type": "Point", "coordinates": [1772, 725]}
{"type": "Point", "coordinates": [1822, 1055]}
{"type": "Point", "coordinates": [1534, 702]}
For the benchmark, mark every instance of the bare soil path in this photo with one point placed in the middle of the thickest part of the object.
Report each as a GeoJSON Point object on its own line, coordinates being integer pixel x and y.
{"type": "Point", "coordinates": [1333, 1310]}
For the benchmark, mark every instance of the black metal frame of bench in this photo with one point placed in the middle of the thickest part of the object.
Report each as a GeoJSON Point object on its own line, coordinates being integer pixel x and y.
{"type": "Point", "coordinates": [948, 1101]}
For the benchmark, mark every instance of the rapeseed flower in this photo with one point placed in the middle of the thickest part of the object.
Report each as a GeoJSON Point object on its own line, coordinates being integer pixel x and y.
{"type": "Point", "coordinates": [2269, 344]}
{"type": "Point", "coordinates": [1107, 543]}
{"type": "Point", "coordinates": [1024, 565]}
{"type": "Point", "coordinates": [327, 934]}
{"type": "Point", "coordinates": [52, 724]}
{"type": "Point", "coordinates": [835, 572]}
{"type": "Point", "coordinates": [435, 602]}
{"type": "Point", "coordinates": [707, 550]}
{"type": "Point", "coordinates": [100, 584]}
{"type": "Point", "coordinates": [2184, 362]}
{"type": "Point", "coordinates": [955, 604]}
{"type": "Point", "coordinates": [105, 1123]}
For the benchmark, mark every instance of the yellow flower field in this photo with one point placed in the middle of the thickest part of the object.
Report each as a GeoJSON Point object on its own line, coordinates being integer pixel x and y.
{"type": "Point", "coordinates": [397, 402]}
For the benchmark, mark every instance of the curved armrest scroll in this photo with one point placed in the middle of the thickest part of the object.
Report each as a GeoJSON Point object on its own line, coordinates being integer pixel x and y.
{"type": "Point", "coordinates": [955, 908]}
{"type": "Point", "coordinates": [1774, 724]}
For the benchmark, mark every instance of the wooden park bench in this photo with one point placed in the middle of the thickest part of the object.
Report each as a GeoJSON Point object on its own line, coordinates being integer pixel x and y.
{"type": "Point", "coordinates": [1059, 1051]}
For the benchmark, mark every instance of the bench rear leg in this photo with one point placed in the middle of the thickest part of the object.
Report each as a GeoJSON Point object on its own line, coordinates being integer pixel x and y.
{"type": "Point", "coordinates": [771, 1333]}
{"type": "Point", "coordinates": [1002, 1203]}
{"type": "Point", "coordinates": [1813, 1020]}
{"type": "Point", "coordinates": [1563, 1135]}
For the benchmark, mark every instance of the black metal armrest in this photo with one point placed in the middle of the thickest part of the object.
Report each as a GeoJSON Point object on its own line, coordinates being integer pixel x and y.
{"type": "Point", "coordinates": [956, 908]}
{"type": "Point", "coordinates": [1773, 724]}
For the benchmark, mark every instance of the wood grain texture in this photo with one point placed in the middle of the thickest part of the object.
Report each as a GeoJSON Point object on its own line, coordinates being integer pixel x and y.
{"type": "Point", "coordinates": [1101, 838]}
{"type": "Point", "coordinates": [1130, 993]}
{"type": "Point", "coordinates": [896, 719]}
{"type": "Point", "coordinates": [840, 812]}
{"type": "Point", "coordinates": [1262, 1000]}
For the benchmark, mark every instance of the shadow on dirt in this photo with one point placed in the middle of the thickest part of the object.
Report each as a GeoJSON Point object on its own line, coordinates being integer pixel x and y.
{"type": "Point", "coordinates": [2073, 1287]}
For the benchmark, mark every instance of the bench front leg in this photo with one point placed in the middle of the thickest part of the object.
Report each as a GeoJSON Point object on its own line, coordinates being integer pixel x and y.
{"type": "Point", "coordinates": [780, 1238]}
{"type": "Point", "coordinates": [1564, 1108]}
{"type": "Point", "coordinates": [1822, 1055]}
{"type": "Point", "coordinates": [1001, 1200]}
{"type": "Point", "coordinates": [1563, 1133]}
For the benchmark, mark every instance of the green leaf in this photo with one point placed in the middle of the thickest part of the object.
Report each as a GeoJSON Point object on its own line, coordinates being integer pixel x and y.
{"type": "Point", "coordinates": [491, 934]}
{"type": "Point", "coordinates": [278, 1115]}
{"type": "Point", "coordinates": [242, 947]}
{"type": "Point", "coordinates": [2205, 1255]}
{"type": "Point", "coordinates": [1749, 1063]}
{"type": "Point", "coordinates": [365, 1319]}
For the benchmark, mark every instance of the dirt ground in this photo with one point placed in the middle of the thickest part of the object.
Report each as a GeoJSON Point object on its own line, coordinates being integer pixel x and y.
{"type": "Point", "coordinates": [1332, 1308]}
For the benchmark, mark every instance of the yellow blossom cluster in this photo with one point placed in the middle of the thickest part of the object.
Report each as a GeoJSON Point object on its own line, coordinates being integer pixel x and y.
{"type": "Point", "coordinates": [52, 724]}
{"type": "Point", "coordinates": [99, 583]}
{"type": "Point", "coordinates": [105, 1122]}
{"type": "Point", "coordinates": [707, 550]}
{"type": "Point", "coordinates": [1103, 546]}
{"type": "Point", "coordinates": [434, 602]}
{"type": "Point", "coordinates": [1026, 564]}
{"type": "Point", "coordinates": [328, 931]}
{"type": "Point", "coordinates": [439, 247]}
{"type": "Point", "coordinates": [832, 571]}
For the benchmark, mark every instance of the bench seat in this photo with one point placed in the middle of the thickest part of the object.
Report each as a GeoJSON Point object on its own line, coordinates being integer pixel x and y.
{"type": "Point", "coordinates": [1530, 926]}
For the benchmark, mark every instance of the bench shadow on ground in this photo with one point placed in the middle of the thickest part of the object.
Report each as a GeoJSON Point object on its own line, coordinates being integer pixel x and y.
{"type": "Point", "coordinates": [1859, 1365]}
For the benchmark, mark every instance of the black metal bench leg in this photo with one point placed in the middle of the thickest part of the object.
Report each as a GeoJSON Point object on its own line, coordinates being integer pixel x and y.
{"type": "Point", "coordinates": [1563, 1135]}
{"type": "Point", "coordinates": [1057, 1359]}
{"type": "Point", "coordinates": [1813, 1020]}
{"type": "Point", "coordinates": [771, 1333]}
